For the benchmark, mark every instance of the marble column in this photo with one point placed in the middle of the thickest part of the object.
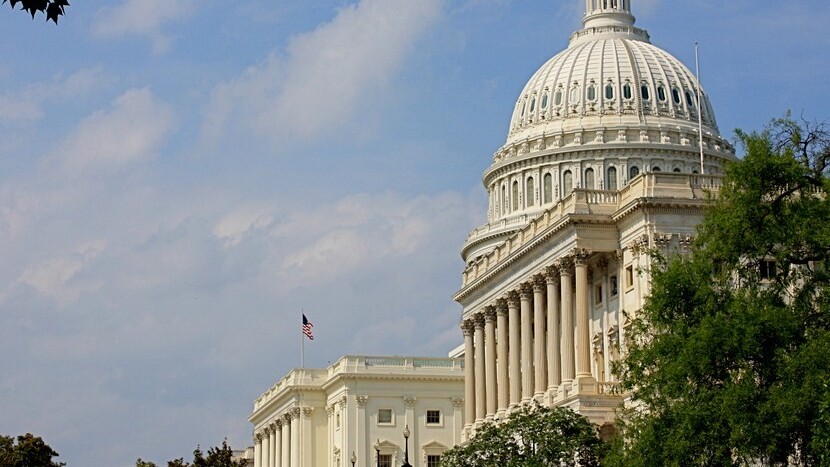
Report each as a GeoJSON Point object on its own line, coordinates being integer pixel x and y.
{"type": "Point", "coordinates": [514, 345]}
{"type": "Point", "coordinates": [295, 437]}
{"type": "Point", "coordinates": [481, 387]}
{"type": "Point", "coordinates": [568, 367]}
{"type": "Point", "coordinates": [257, 450]}
{"type": "Point", "coordinates": [285, 444]}
{"type": "Point", "coordinates": [490, 359]}
{"type": "Point", "coordinates": [277, 443]}
{"type": "Point", "coordinates": [540, 361]}
{"type": "Point", "coordinates": [274, 442]}
{"type": "Point", "coordinates": [526, 296]}
{"type": "Point", "coordinates": [468, 328]}
{"type": "Point", "coordinates": [585, 383]}
{"type": "Point", "coordinates": [501, 327]}
{"type": "Point", "coordinates": [266, 447]}
{"type": "Point", "coordinates": [554, 349]}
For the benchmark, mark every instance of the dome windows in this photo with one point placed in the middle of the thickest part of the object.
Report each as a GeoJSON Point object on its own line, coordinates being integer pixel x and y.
{"type": "Point", "coordinates": [661, 93]}
{"type": "Point", "coordinates": [592, 92]}
{"type": "Point", "coordinates": [612, 178]}
{"type": "Point", "coordinates": [567, 183]}
{"type": "Point", "coordinates": [633, 172]}
{"type": "Point", "coordinates": [530, 189]}
{"type": "Point", "coordinates": [589, 179]}
{"type": "Point", "coordinates": [545, 101]}
{"type": "Point", "coordinates": [609, 91]}
{"type": "Point", "coordinates": [689, 99]}
{"type": "Point", "coordinates": [515, 195]}
{"type": "Point", "coordinates": [557, 98]}
{"type": "Point", "coordinates": [627, 91]}
{"type": "Point", "coordinates": [645, 92]}
{"type": "Point", "coordinates": [675, 93]}
{"type": "Point", "coordinates": [533, 105]}
{"type": "Point", "coordinates": [548, 188]}
{"type": "Point", "coordinates": [574, 96]}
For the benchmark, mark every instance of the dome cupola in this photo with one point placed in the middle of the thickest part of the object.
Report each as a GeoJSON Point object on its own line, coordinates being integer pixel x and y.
{"type": "Point", "coordinates": [609, 107]}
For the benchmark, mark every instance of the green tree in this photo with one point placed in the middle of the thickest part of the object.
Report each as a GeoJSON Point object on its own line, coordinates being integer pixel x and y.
{"type": "Point", "coordinates": [27, 451]}
{"type": "Point", "coordinates": [533, 436]}
{"type": "Point", "coordinates": [730, 355]}
{"type": "Point", "coordinates": [53, 9]}
{"type": "Point", "coordinates": [220, 456]}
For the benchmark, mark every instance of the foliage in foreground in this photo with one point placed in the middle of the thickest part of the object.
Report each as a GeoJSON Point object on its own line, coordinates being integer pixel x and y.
{"type": "Point", "coordinates": [27, 451]}
{"type": "Point", "coordinates": [216, 457]}
{"type": "Point", "coordinates": [53, 9]}
{"type": "Point", "coordinates": [533, 436]}
{"type": "Point", "coordinates": [730, 355]}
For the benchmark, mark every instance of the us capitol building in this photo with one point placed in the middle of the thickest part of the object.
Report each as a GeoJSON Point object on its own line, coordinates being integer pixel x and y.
{"type": "Point", "coordinates": [604, 156]}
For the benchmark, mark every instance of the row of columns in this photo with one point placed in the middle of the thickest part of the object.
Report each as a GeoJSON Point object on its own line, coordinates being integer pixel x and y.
{"type": "Point", "coordinates": [278, 444]}
{"type": "Point", "coordinates": [522, 347]}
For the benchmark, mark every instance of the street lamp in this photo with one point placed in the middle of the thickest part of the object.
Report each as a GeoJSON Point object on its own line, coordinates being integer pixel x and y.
{"type": "Point", "coordinates": [406, 452]}
{"type": "Point", "coordinates": [377, 451]}
{"type": "Point", "coordinates": [354, 458]}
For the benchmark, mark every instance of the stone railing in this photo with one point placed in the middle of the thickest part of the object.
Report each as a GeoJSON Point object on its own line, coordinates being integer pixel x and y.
{"type": "Point", "coordinates": [609, 389]}
{"type": "Point", "coordinates": [582, 201]}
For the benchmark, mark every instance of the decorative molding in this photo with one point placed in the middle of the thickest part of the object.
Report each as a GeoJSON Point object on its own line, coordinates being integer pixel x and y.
{"type": "Point", "coordinates": [490, 314]}
{"type": "Point", "coordinates": [409, 400]}
{"type": "Point", "coordinates": [526, 291]}
{"type": "Point", "coordinates": [457, 402]}
{"type": "Point", "coordinates": [501, 306]}
{"type": "Point", "coordinates": [361, 400]}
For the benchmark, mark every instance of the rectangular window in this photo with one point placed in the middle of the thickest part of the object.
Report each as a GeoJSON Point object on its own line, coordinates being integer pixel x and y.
{"type": "Point", "coordinates": [629, 276]}
{"type": "Point", "coordinates": [385, 460]}
{"type": "Point", "coordinates": [433, 461]}
{"type": "Point", "coordinates": [433, 417]}
{"type": "Point", "coordinates": [767, 270]}
{"type": "Point", "coordinates": [613, 282]}
{"type": "Point", "coordinates": [385, 417]}
{"type": "Point", "coordinates": [598, 294]}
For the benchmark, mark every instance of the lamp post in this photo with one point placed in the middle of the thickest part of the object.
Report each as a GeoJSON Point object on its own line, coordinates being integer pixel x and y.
{"type": "Point", "coordinates": [406, 452]}
{"type": "Point", "coordinates": [354, 458]}
{"type": "Point", "coordinates": [377, 451]}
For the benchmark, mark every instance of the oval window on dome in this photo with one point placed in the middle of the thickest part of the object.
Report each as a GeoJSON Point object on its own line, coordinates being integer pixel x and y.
{"type": "Point", "coordinates": [644, 91]}
{"type": "Point", "coordinates": [524, 107]}
{"type": "Point", "coordinates": [661, 93]}
{"type": "Point", "coordinates": [609, 91]}
{"type": "Point", "coordinates": [627, 91]}
{"type": "Point", "coordinates": [532, 105]}
{"type": "Point", "coordinates": [675, 93]}
{"type": "Point", "coordinates": [574, 98]}
{"type": "Point", "coordinates": [557, 99]}
{"type": "Point", "coordinates": [545, 101]}
{"type": "Point", "coordinates": [592, 93]}
{"type": "Point", "coordinates": [689, 100]}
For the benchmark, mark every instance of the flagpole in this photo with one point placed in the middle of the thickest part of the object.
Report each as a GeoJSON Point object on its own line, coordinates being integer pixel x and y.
{"type": "Point", "coordinates": [302, 341]}
{"type": "Point", "coordinates": [699, 107]}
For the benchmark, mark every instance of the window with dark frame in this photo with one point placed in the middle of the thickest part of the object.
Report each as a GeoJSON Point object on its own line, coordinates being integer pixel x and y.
{"type": "Point", "coordinates": [768, 270]}
{"type": "Point", "coordinates": [385, 416]}
{"type": "Point", "coordinates": [433, 417]}
{"type": "Point", "coordinates": [614, 284]}
{"type": "Point", "coordinates": [433, 461]}
{"type": "Point", "coordinates": [385, 460]}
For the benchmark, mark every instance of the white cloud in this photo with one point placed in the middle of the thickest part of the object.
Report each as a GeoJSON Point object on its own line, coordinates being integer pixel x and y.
{"type": "Point", "coordinates": [144, 18]}
{"type": "Point", "coordinates": [27, 104]}
{"type": "Point", "coordinates": [233, 227]}
{"type": "Point", "coordinates": [329, 73]}
{"type": "Point", "coordinates": [132, 131]}
{"type": "Point", "coordinates": [54, 278]}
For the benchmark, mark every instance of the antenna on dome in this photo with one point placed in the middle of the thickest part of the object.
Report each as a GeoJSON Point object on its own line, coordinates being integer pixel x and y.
{"type": "Point", "coordinates": [699, 107]}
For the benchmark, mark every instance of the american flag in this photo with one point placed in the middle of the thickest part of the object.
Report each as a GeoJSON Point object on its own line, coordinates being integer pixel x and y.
{"type": "Point", "coordinates": [307, 326]}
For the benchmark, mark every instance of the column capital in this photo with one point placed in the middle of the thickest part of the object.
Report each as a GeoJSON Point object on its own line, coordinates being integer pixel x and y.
{"type": "Point", "coordinates": [295, 413]}
{"type": "Point", "coordinates": [278, 423]}
{"type": "Point", "coordinates": [565, 266]}
{"type": "Point", "coordinates": [552, 274]}
{"type": "Point", "coordinates": [581, 256]}
{"type": "Point", "coordinates": [539, 283]}
{"type": "Point", "coordinates": [361, 400]}
{"type": "Point", "coordinates": [257, 438]}
{"type": "Point", "coordinates": [308, 410]}
{"type": "Point", "coordinates": [490, 314]}
{"type": "Point", "coordinates": [501, 306]}
{"type": "Point", "coordinates": [479, 320]}
{"type": "Point", "coordinates": [468, 327]}
{"type": "Point", "coordinates": [274, 425]}
{"type": "Point", "coordinates": [457, 402]}
{"type": "Point", "coordinates": [409, 401]}
{"type": "Point", "coordinates": [512, 297]}
{"type": "Point", "coordinates": [526, 291]}
{"type": "Point", "coordinates": [267, 430]}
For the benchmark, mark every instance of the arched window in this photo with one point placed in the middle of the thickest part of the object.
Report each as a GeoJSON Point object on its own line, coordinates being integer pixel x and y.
{"type": "Point", "coordinates": [609, 91]}
{"type": "Point", "coordinates": [515, 195]}
{"type": "Point", "coordinates": [548, 188]}
{"type": "Point", "coordinates": [557, 98]}
{"type": "Point", "coordinates": [567, 183]}
{"type": "Point", "coordinates": [633, 172]}
{"type": "Point", "coordinates": [504, 199]}
{"type": "Point", "coordinates": [627, 91]}
{"type": "Point", "coordinates": [524, 107]}
{"type": "Point", "coordinates": [545, 101]}
{"type": "Point", "coordinates": [661, 93]}
{"type": "Point", "coordinates": [655, 169]}
{"type": "Point", "coordinates": [533, 105]}
{"type": "Point", "coordinates": [689, 100]}
{"type": "Point", "coordinates": [589, 179]}
{"type": "Point", "coordinates": [644, 91]}
{"type": "Point", "coordinates": [612, 178]}
{"type": "Point", "coordinates": [592, 93]}
{"type": "Point", "coordinates": [676, 95]}
{"type": "Point", "coordinates": [574, 98]}
{"type": "Point", "coordinates": [530, 192]}
{"type": "Point", "coordinates": [677, 169]}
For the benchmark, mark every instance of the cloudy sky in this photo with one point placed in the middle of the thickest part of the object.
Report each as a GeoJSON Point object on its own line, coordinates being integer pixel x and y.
{"type": "Point", "coordinates": [179, 178]}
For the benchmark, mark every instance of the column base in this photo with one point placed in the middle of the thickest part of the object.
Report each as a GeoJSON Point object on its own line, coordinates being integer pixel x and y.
{"type": "Point", "coordinates": [584, 385]}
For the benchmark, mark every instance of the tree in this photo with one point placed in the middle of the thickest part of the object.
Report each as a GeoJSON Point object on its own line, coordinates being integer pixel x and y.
{"type": "Point", "coordinates": [53, 9]}
{"type": "Point", "coordinates": [220, 456]}
{"type": "Point", "coordinates": [728, 361]}
{"type": "Point", "coordinates": [533, 436]}
{"type": "Point", "coordinates": [27, 451]}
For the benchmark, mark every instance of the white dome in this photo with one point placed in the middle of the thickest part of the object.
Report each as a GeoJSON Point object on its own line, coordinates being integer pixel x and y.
{"type": "Point", "coordinates": [609, 107]}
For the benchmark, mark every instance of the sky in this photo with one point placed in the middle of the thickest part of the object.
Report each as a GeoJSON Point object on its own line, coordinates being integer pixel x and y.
{"type": "Point", "coordinates": [178, 180]}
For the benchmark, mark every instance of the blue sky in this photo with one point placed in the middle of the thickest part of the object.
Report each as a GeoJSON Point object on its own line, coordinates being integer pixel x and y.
{"type": "Point", "coordinates": [179, 179]}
